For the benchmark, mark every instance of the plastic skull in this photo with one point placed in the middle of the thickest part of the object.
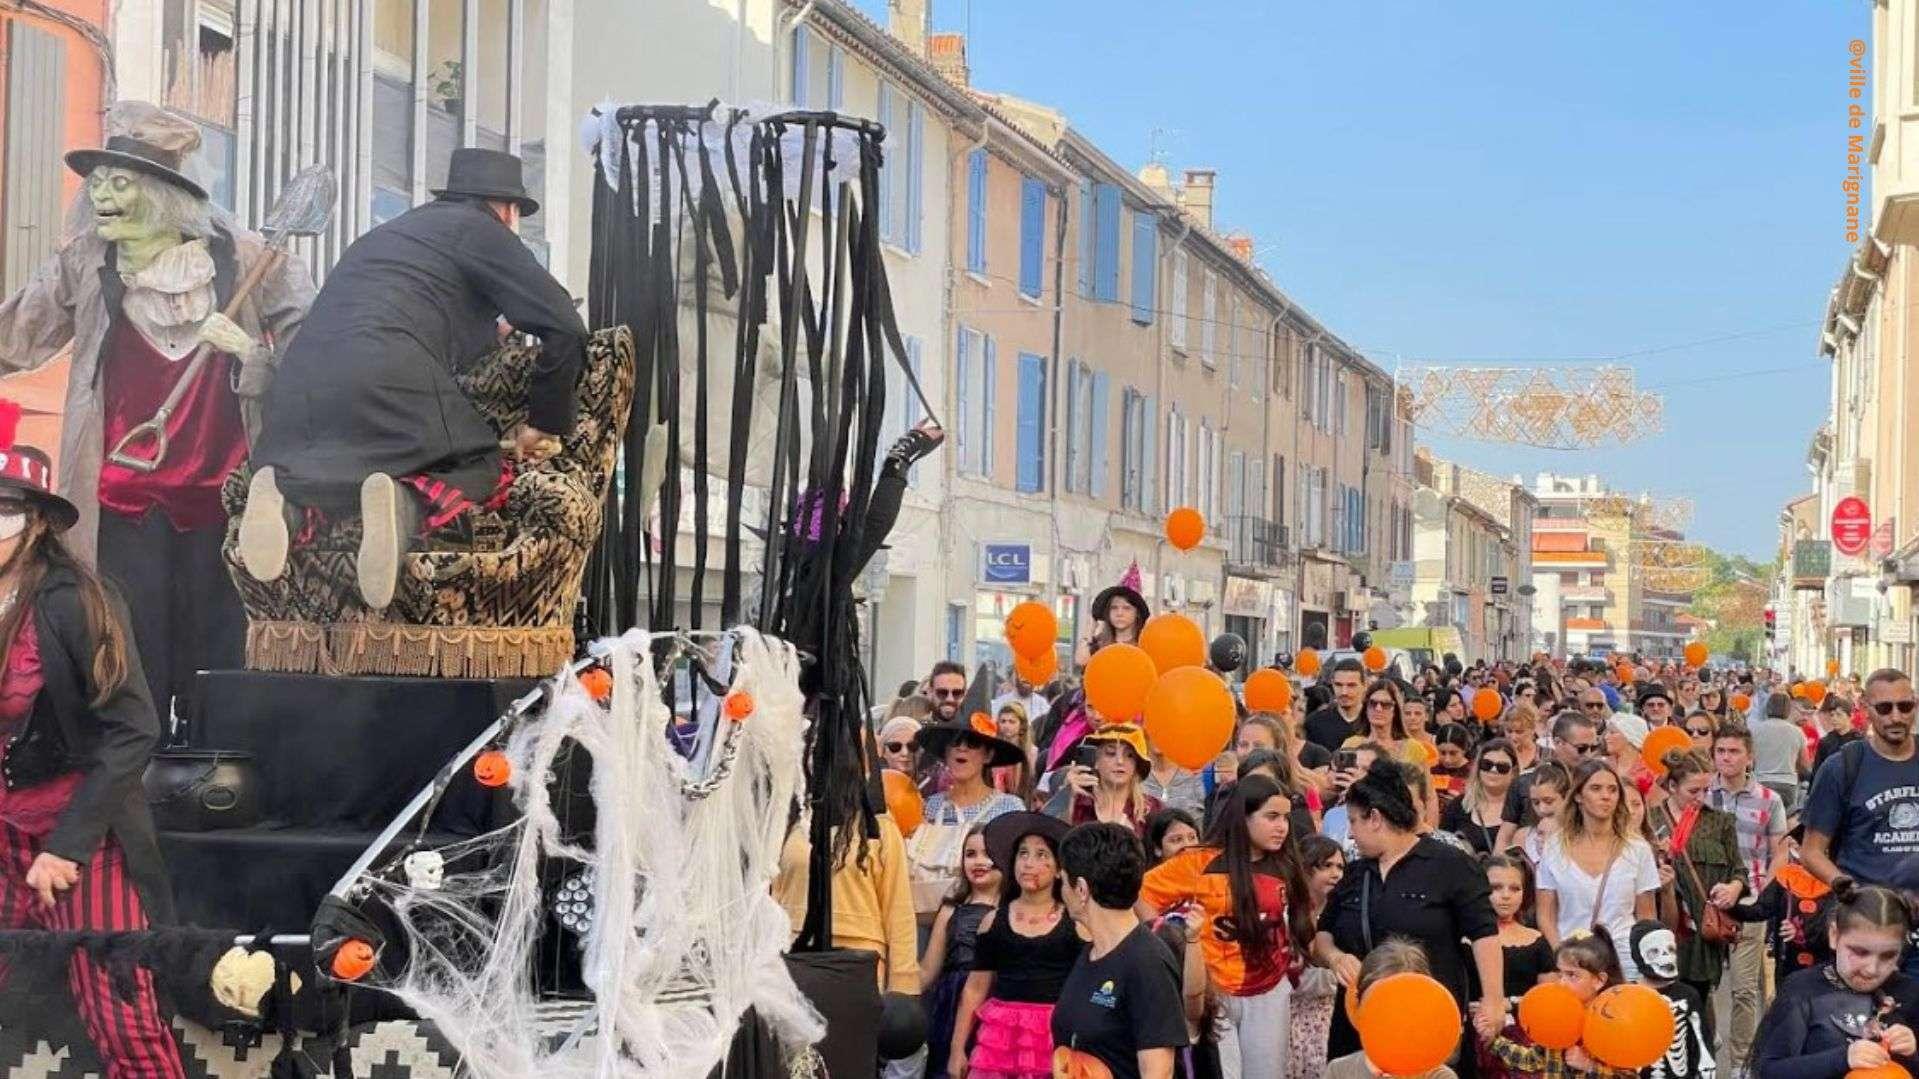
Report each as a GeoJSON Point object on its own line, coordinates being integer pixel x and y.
{"type": "Point", "coordinates": [425, 869]}
{"type": "Point", "coordinates": [1659, 954]}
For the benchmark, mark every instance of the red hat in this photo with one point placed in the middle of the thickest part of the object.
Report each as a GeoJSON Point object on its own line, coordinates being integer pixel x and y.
{"type": "Point", "coordinates": [26, 469]}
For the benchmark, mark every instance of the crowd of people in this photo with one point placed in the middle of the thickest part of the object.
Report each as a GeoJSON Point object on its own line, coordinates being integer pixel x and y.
{"type": "Point", "coordinates": [1075, 892]}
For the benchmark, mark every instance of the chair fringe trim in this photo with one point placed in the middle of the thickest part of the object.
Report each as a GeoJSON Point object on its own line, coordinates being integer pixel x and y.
{"type": "Point", "coordinates": [355, 648]}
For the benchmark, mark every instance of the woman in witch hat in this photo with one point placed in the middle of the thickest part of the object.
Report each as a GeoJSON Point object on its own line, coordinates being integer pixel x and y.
{"type": "Point", "coordinates": [77, 725]}
{"type": "Point", "coordinates": [1118, 614]}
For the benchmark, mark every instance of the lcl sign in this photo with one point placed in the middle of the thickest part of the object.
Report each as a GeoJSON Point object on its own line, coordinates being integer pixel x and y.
{"type": "Point", "coordinates": [1006, 563]}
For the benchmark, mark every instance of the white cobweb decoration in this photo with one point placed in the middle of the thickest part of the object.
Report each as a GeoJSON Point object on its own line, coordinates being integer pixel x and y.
{"type": "Point", "coordinates": [685, 935]}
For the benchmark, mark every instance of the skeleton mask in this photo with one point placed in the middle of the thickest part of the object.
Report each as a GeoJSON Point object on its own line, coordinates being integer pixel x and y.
{"type": "Point", "coordinates": [425, 869]}
{"type": "Point", "coordinates": [1655, 951]}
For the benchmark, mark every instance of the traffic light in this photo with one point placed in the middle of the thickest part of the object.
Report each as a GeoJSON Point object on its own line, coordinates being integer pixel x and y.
{"type": "Point", "coordinates": [1772, 623]}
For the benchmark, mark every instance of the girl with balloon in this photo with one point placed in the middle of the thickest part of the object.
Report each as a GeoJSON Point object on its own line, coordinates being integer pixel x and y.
{"type": "Point", "coordinates": [1586, 964]}
{"type": "Point", "coordinates": [1250, 887]}
{"type": "Point", "coordinates": [1855, 1011]}
{"type": "Point", "coordinates": [1398, 956]}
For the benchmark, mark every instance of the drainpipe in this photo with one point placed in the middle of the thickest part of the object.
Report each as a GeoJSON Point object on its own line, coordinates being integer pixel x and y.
{"type": "Point", "coordinates": [782, 24]}
{"type": "Point", "coordinates": [1052, 386]}
{"type": "Point", "coordinates": [1159, 385]}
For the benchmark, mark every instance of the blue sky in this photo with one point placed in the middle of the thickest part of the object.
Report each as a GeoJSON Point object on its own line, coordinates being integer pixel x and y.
{"type": "Point", "coordinates": [1508, 181]}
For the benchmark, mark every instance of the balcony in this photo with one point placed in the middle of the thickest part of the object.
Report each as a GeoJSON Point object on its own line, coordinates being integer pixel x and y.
{"type": "Point", "coordinates": [1585, 593]}
{"type": "Point", "coordinates": [1256, 544]}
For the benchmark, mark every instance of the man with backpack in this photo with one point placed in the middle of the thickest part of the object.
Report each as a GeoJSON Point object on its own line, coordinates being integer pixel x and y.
{"type": "Point", "coordinates": [1862, 818]}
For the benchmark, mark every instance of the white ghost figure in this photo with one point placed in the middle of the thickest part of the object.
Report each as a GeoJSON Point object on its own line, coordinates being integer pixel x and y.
{"type": "Point", "coordinates": [425, 869]}
{"type": "Point", "coordinates": [1660, 954]}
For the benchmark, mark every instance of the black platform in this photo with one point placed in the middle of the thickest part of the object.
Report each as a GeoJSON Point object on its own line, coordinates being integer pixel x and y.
{"type": "Point", "coordinates": [337, 759]}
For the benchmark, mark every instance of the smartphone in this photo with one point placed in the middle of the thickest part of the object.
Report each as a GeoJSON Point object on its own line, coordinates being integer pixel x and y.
{"type": "Point", "coordinates": [1345, 760]}
{"type": "Point", "coordinates": [1086, 756]}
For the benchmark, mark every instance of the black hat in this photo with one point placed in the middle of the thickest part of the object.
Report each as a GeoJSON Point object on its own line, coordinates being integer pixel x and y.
{"type": "Point", "coordinates": [1003, 835]}
{"type": "Point", "coordinates": [26, 472]}
{"type": "Point", "coordinates": [1120, 591]}
{"type": "Point", "coordinates": [935, 738]}
{"type": "Point", "coordinates": [1654, 692]}
{"type": "Point", "coordinates": [488, 174]}
{"type": "Point", "coordinates": [142, 155]}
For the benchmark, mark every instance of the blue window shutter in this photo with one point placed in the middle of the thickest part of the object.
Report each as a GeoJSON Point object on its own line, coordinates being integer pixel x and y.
{"type": "Point", "coordinates": [962, 382]}
{"type": "Point", "coordinates": [910, 412]}
{"type": "Point", "coordinates": [1032, 235]}
{"type": "Point", "coordinates": [835, 78]}
{"type": "Point", "coordinates": [1072, 425]}
{"type": "Point", "coordinates": [802, 56]}
{"type": "Point", "coordinates": [1149, 460]}
{"type": "Point", "coordinates": [990, 390]}
{"type": "Point", "coordinates": [1086, 227]}
{"type": "Point", "coordinates": [1032, 410]}
{"type": "Point", "coordinates": [976, 211]}
{"type": "Point", "coordinates": [915, 157]}
{"type": "Point", "coordinates": [1106, 243]}
{"type": "Point", "coordinates": [1145, 267]}
{"type": "Point", "coordinates": [891, 164]}
{"type": "Point", "coordinates": [1099, 450]}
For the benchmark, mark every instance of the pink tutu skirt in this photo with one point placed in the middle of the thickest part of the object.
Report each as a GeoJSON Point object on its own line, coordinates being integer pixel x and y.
{"type": "Point", "coordinates": [1012, 1041]}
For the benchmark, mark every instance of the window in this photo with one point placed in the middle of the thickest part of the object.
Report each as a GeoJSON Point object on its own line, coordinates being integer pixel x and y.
{"type": "Point", "coordinates": [976, 381]}
{"type": "Point", "coordinates": [1208, 457]}
{"type": "Point", "coordinates": [1339, 402]}
{"type": "Point", "coordinates": [1098, 452]}
{"type": "Point", "coordinates": [1075, 425]}
{"type": "Point", "coordinates": [1279, 488]}
{"type": "Point", "coordinates": [976, 211]}
{"type": "Point", "coordinates": [1175, 459]}
{"type": "Point", "coordinates": [1232, 343]}
{"type": "Point", "coordinates": [819, 71]}
{"type": "Point", "coordinates": [1106, 207]}
{"type": "Point", "coordinates": [1176, 326]}
{"type": "Point", "coordinates": [1032, 236]}
{"type": "Point", "coordinates": [900, 178]}
{"type": "Point", "coordinates": [1145, 266]}
{"type": "Point", "coordinates": [1209, 321]}
{"type": "Point", "coordinates": [1031, 448]}
{"type": "Point", "coordinates": [1235, 484]}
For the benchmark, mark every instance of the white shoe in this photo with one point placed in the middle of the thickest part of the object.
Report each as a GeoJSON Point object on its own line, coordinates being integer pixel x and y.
{"type": "Point", "coordinates": [387, 516]}
{"type": "Point", "coordinates": [264, 540]}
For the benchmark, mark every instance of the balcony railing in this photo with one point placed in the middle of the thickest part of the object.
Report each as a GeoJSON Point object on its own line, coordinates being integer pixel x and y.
{"type": "Point", "coordinates": [1257, 543]}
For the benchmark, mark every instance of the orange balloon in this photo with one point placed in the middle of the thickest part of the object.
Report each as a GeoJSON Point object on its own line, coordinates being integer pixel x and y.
{"type": "Point", "coordinates": [1185, 528]}
{"type": "Point", "coordinates": [1118, 680]}
{"type": "Point", "coordinates": [1078, 1064]}
{"type": "Point", "coordinates": [1628, 1026]}
{"type": "Point", "coordinates": [1815, 692]}
{"type": "Point", "coordinates": [1408, 1024]}
{"type": "Point", "coordinates": [903, 802]}
{"type": "Point", "coordinates": [1740, 702]}
{"type": "Point", "coordinates": [1190, 716]}
{"type": "Point", "coordinates": [1626, 674]}
{"type": "Point", "coordinates": [598, 683]}
{"type": "Point", "coordinates": [739, 705]}
{"type": "Point", "coordinates": [1037, 670]}
{"type": "Point", "coordinates": [1487, 705]}
{"type": "Point", "coordinates": [1891, 1069]}
{"type": "Point", "coordinates": [1174, 641]}
{"type": "Point", "coordinates": [492, 769]}
{"type": "Point", "coordinates": [1697, 654]}
{"type": "Point", "coordinates": [1268, 690]}
{"type": "Point", "coordinates": [1552, 1016]}
{"type": "Point", "coordinates": [353, 960]}
{"type": "Point", "coordinates": [1661, 741]}
{"type": "Point", "coordinates": [1307, 662]}
{"type": "Point", "coordinates": [1374, 658]}
{"type": "Point", "coordinates": [1798, 691]}
{"type": "Point", "coordinates": [1031, 629]}
{"type": "Point", "coordinates": [1832, 667]}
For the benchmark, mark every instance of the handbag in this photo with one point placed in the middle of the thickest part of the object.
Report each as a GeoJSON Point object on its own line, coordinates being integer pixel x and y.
{"type": "Point", "coordinates": [933, 861]}
{"type": "Point", "coordinates": [1715, 926]}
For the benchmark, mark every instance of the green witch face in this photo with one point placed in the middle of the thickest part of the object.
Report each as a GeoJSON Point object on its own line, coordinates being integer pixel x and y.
{"type": "Point", "coordinates": [122, 210]}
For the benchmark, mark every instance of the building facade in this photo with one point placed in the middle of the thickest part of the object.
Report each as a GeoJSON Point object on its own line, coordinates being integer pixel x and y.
{"type": "Point", "coordinates": [1472, 558]}
{"type": "Point", "coordinates": [1599, 581]}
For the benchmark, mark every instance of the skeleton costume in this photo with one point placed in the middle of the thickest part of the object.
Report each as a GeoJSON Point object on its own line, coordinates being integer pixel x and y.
{"type": "Point", "coordinates": [1656, 952]}
{"type": "Point", "coordinates": [156, 534]}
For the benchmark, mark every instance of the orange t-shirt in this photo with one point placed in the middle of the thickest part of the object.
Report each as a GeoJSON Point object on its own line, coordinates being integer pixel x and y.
{"type": "Point", "coordinates": [1198, 875]}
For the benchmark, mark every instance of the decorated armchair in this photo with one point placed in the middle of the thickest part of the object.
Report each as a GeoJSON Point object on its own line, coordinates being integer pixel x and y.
{"type": "Point", "coordinates": [499, 605]}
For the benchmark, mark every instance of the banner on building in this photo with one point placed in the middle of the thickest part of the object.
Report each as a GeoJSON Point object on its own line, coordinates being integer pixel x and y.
{"type": "Point", "coordinates": [1006, 563]}
{"type": "Point", "coordinates": [1247, 598]}
{"type": "Point", "coordinates": [1812, 558]}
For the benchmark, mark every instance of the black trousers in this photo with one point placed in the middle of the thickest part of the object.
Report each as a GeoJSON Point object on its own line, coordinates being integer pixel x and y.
{"type": "Point", "coordinates": [186, 614]}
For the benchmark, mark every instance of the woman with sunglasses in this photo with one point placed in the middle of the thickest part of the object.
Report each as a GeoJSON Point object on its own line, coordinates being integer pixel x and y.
{"type": "Point", "coordinates": [1700, 727]}
{"type": "Point", "coordinates": [1475, 816]}
{"type": "Point", "coordinates": [899, 745]}
{"type": "Point", "coordinates": [1386, 727]}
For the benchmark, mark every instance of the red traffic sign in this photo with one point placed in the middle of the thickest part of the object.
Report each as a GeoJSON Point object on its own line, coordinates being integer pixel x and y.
{"type": "Point", "coordinates": [1851, 525]}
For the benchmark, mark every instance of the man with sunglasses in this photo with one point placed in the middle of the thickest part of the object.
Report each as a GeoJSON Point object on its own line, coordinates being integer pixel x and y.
{"type": "Point", "coordinates": [1862, 818]}
{"type": "Point", "coordinates": [1575, 738]}
{"type": "Point", "coordinates": [946, 688]}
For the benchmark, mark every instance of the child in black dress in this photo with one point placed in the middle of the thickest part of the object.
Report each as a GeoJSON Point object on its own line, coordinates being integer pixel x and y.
{"type": "Point", "coordinates": [950, 946]}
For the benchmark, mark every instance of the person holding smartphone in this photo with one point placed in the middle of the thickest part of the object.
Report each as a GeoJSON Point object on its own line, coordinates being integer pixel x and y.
{"type": "Point", "coordinates": [1106, 781]}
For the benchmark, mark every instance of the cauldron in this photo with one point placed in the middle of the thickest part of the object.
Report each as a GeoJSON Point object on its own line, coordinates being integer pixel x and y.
{"type": "Point", "coordinates": [202, 790]}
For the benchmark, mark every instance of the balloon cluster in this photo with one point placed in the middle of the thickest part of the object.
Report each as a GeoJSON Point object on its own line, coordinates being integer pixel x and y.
{"type": "Point", "coordinates": [1187, 711]}
{"type": "Point", "coordinates": [1627, 1026]}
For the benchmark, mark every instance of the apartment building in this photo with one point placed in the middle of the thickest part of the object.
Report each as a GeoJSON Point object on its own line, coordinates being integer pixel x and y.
{"type": "Point", "coordinates": [1591, 548]}
{"type": "Point", "coordinates": [1799, 596]}
{"type": "Point", "coordinates": [1472, 558]}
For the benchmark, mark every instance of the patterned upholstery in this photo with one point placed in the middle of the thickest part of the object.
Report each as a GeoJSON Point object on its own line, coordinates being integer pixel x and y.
{"type": "Point", "coordinates": [462, 609]}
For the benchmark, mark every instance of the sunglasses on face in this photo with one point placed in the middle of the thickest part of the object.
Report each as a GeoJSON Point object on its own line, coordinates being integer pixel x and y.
{"type": "Point", "coordinates": [1594, 706]}
{"type": "Point", "coordinates": [949, 694]}
{"type": "Point", "coordinates": [901, 747]}
{"type": "Point", "coordinates": [1379, 702]}
{"type": "Point", "coordinates": [1496, 767]}
{"type": "Point", "coordinates": [1699, 732]}
{"type": "Point", "coordinates": [1583, 748]}
{"type": "Point", "coordinates": [1885, 708]}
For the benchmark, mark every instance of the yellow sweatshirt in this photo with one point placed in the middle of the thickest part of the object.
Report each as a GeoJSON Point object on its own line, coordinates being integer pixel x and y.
{"type": "Point", "coordinates": [872, 905]}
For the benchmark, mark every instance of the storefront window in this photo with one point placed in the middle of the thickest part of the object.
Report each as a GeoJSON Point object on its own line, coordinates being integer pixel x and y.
{"type": "Point", "coordinates": [200, 83]}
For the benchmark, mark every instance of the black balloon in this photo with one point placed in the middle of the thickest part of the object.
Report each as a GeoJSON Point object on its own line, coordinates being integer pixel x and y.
{"type": "Point", "coordinates": [1227, 652]}
{"type": "Point", "coordinates": [902, 1026]}
{"type": "Point", "coordinates": [1362, 641]}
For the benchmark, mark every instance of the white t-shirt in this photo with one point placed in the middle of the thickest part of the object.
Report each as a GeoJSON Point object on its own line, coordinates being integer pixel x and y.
{"type": "Point", "coordinates": [1634, 872]}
